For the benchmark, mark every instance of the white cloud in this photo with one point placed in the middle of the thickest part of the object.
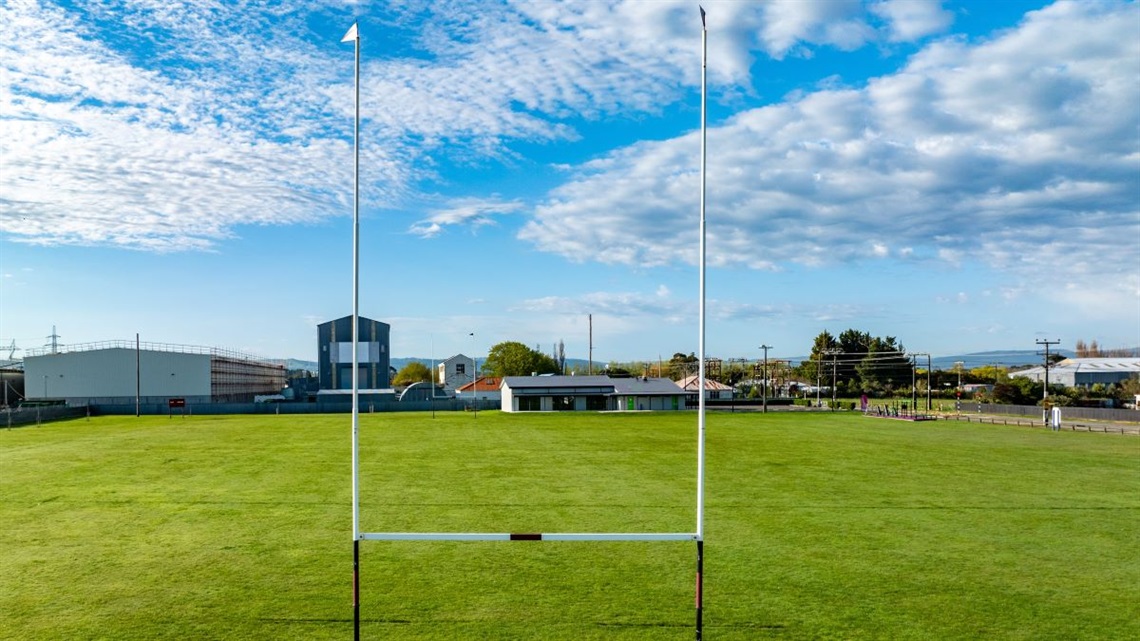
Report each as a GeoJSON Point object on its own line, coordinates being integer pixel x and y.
{"type": "Point", "coordinates": [909, 20]}
{"type": "Point", "coordinates": [612, 304]}
{"type": "Point", "coordinates": [836, 22]}
{"type": "Point", "coordinates": [1018, 153]}
{"type": "Point", "coordinates": [472, 212]}
{"type": "Point", "coordinates": [170, 148]}
{"type": "Point", "coordinates": [164, 125]}
{"type": "Point", "coordinates": [660, 307]}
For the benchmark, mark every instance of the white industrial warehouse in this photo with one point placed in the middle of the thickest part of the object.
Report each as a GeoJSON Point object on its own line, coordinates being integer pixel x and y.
{"type": "Point", "coordinates": [125, 371]}
{"type": "Point", "coordinates": [1086, 372]}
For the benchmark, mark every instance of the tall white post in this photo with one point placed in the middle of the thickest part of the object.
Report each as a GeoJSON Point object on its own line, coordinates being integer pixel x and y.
{"type": "Point", "coordinates": [356, 294]}
{"type": "Point", "coordinates": [701, 319]}
{"type": "Point", "coordinates": [700, 533]}
{"type": "Point", "coordinates": [354, 36]}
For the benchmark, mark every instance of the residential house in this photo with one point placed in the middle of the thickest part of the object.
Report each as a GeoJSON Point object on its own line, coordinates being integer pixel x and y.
{"type": "Point", "coordinates": [713, 389]}
{"type": "Point", "coordinates": [456, 371]}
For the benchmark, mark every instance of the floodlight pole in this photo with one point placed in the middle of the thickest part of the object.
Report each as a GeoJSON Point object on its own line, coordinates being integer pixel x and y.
{"type": "Point", "coordinates": [354, 35]}
{"type": "Point", "coordinates": [701, 341]}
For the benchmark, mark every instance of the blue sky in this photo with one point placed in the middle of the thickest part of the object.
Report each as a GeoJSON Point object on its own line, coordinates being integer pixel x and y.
{"type": "Point", "coordinates": [964, 176]}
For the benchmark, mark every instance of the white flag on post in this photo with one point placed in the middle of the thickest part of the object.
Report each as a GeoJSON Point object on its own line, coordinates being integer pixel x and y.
{"type": "Point", "coordinates": [351, 35]}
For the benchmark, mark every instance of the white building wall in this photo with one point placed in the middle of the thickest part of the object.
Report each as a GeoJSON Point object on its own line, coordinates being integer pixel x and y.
{"type": "Point", "coordinates": [111, 372]}
{"type": "Point", "coordinates": [448, 374]}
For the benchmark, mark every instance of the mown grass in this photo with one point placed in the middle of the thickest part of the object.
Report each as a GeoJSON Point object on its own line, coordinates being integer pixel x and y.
{"type": "Point", "coordinates": [817, 526]}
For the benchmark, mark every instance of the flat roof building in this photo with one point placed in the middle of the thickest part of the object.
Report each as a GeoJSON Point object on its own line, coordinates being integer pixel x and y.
{"type": "Point", "coordinates": [589, 393]}
{"type": "Point", "coordinates": [1086, 372]}
{"type": "Point", "coordinates": [113, 372]}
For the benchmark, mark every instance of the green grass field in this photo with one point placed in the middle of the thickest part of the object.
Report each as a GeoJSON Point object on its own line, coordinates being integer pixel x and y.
{"type": "Point", "coordinates": [818, 526]}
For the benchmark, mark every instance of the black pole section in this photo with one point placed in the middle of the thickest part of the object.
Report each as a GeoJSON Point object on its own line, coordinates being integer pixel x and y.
{"type": "Point", "coordinates": [356, 589]}
{"type": "Point", "coordinates": [700, 583]}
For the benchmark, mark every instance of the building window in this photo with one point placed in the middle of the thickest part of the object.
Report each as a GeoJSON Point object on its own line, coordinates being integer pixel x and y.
{"type": "Point", "coordinates": [461, 368]}
{"type": "Point", "coordinates": [596, 403]}
{"type": "Point", "coordinates": [563, 403]}
{"type": "Point", "coordinates": [530, 403]}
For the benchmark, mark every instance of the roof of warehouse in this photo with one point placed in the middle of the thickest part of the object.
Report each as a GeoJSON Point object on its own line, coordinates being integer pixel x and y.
{"type": "Point", "coordinates": [1112, 364]}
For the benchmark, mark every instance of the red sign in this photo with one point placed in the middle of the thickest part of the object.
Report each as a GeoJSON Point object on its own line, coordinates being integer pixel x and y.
{"type": "Point", "coordinates": [177, 402]}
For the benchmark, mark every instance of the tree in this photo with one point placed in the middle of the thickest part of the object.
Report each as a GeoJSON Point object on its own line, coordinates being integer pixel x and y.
{"type": "Point", "coordinates": [815, 369]}
{"type": "Point", "coordinates": [559, 356]}
{"type": "Point", "coordinates": [986, 374]}
{"type": "Point", "coordinates": [885, 361]}
{"type": "Point", "coordinates": [413, 372]}
{"type": "Point", "coordinates": [512, 358]}
{"type": "Point", "coordinates": [681, 365]}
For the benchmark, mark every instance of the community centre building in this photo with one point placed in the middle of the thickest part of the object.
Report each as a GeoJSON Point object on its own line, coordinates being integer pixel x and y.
{"type": "Point", "coordinates": [589, 393]}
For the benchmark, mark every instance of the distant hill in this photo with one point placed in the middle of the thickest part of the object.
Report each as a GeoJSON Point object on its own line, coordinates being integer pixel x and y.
{"type": "Point", "coordinates": [1005, 358]}
{"type": "Point", "coordinates": [293, 363]}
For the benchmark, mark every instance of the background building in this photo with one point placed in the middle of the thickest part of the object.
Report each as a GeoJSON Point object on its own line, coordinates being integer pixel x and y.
{"type": "Point", "coordinates": [713, 389]}
{"type": "Point", "coordinates": [119, 371]}
{"type": "Point", "coordinates": [1086, 372]}
{"type": "Point", "coordinates": [589, 393]}
{"type": "Point", "coordinates": [456, 371]}
{"type": "Point", "coordinates": [486, 389]}
{"type": "Point", "coordinates": [334, 354]}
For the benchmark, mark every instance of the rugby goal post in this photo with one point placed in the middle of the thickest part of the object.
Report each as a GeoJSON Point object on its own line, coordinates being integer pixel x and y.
{"type": "Point", "coordinates": [353, 35]}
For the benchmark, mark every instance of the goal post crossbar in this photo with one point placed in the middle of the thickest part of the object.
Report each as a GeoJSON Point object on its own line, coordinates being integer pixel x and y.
{"type": "Point", "coordinates": [528, 536]}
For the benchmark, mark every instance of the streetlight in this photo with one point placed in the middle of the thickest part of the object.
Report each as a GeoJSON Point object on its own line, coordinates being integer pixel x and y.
{"type": "Point", "coordinates": [765, 348]}
{"type": "Point", "coordinates": [474, 377]}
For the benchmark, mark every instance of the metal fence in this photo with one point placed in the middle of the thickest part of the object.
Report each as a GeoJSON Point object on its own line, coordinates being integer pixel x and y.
{"type": "Point", "coordinates": [366, 407]}
{"type": "Point", "coordinates": [37, 415]}
{"type": "Point", "coordinates": [1070, 413]}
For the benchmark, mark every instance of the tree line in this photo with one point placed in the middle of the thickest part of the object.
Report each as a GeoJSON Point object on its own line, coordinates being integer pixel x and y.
{"type": "Point", "coordinates": [855, 362]}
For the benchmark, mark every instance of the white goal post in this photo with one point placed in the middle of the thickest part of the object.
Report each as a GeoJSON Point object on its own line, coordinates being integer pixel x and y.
{"type": "Point", "coordinates": [697, 536]}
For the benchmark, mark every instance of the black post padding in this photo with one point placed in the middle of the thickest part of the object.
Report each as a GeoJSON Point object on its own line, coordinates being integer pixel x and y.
{"type": "Point", "coordinates": [526, 537]}
{"type": "Point", "coordinates": [356, 589]}
{"type": "Point", "coordinates": [700, 581]}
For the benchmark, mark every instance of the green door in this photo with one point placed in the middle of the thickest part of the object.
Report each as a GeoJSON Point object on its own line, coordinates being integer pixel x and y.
{"type": "Point", "coordinates": [629, 403]}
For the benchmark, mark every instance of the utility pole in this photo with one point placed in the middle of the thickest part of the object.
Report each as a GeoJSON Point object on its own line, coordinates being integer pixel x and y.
{"type": "Point", "coordinates": [928, 403]}
{"type": "Point", "coordinates": [1046, 342]}
{"type": "Point", "coordinates": [765, 348]}
{"type": "Point", "coordinates": [834, 353]}
{"type": "Point", "coordinates": [590, 367]}
{"type": "Point", "coordinates": [818, 381]}
{"type": "Point", "coordinates": [958, 393]}
{"type": "Point", "coordinates": [928, 407]}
